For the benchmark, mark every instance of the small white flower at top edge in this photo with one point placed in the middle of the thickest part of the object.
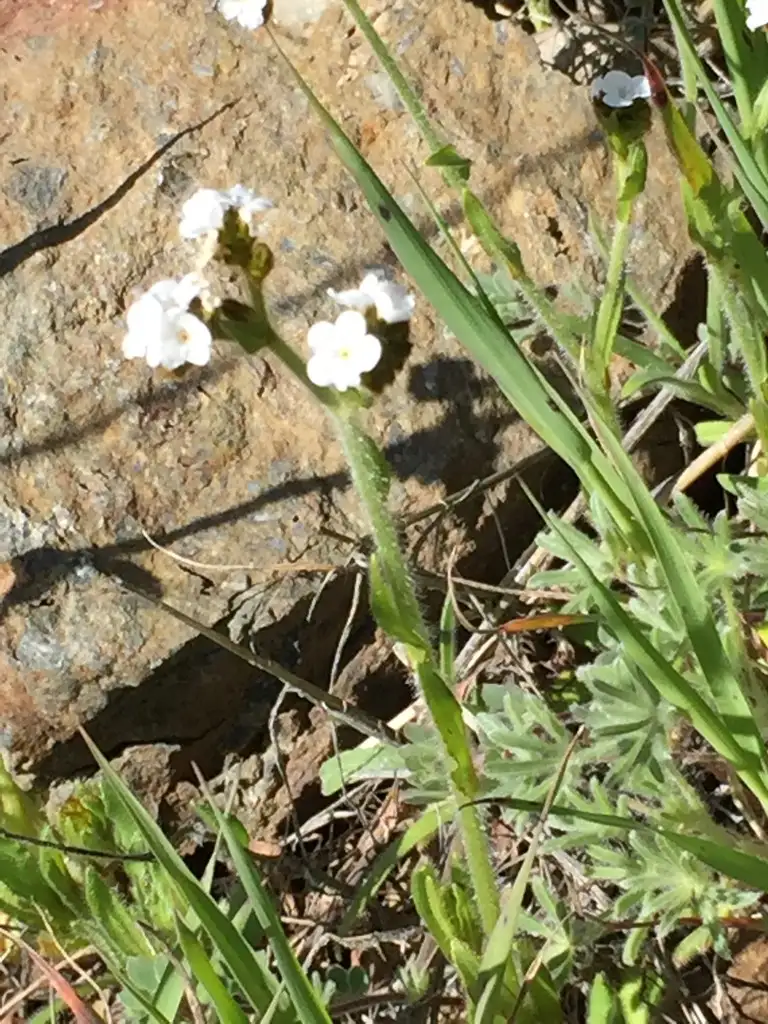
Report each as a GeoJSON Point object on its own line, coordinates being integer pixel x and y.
{"type": "Point", "coordinates": [163, 331]}
{"type": "Point", "coordinates": [203, 213]}
{"type": "Point", "coordinates": [247, 13]}
{"type": "Point", "coordinates": [757, 14]}
{"type": "Point", "coordinates": [342, 351]}
{"type": "Point", "coordinates": [618, 89]}
{"type": "Point", "coordinates": [393, 303]}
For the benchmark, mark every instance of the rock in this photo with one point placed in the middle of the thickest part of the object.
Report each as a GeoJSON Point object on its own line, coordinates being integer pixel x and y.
{"type": "Point", "coordinates": [36, 188]}
{"type": "Point", "coordinates": [114, 114]}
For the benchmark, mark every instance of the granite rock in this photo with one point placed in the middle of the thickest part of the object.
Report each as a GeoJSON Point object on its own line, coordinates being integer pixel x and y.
{"type": "Point", "coordinates": [114, 113]}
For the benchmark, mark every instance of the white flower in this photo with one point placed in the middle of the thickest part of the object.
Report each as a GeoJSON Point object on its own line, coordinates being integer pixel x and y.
{"type": "Point", "coordinates": [758, 14]}
{"type": "Point", "coordinates": [341, 352]}
{"type": "Point", "coordinates": [246, 202]}
{"type": "Point", "coordinates": [248, 13]}
{"type": "Point", "coordinates": [163, 331]}
{"type": "Point", "coordinates": [618, 89]}
{"type": "Point", "coordinates": [203, 213]}
{"type": "Point", "coordinates": [393, 303]}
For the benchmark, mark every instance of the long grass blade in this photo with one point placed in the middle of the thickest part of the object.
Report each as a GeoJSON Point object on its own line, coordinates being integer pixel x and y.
{"type": "Point", "coordinates": [492, 346]}
{"type": "Point", "coordinates": [238, 957]}
{"type": "Point", "coordinates": [305, 999]}
{"type": "Point", "coordinates": [749, 868]}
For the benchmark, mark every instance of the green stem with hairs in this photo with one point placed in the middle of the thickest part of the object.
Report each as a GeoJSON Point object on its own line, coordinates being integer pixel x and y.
{"type": "Point", "coordinates": [391, 583]}
{"type": "Point", "coordinates": [609, 316]}
{"type": "Point", "coordinates": [393, 596]}
{"type": "Point", "coordinates": [370, 477]}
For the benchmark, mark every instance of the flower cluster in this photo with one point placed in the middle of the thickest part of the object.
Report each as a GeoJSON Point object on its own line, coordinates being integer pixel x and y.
{"type": "Point", "coordinates": [163, 329]}
{"type": "Point", "coordinates": [203, 213]}
{"type": "Point", "coordinates": [344, 350]}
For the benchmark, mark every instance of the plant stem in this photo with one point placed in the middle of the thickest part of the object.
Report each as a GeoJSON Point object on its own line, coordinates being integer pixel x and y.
{"type": "Point", "coordinates": [370, 477]}
{"type": "Point", "coordinates": [609, 313]}
{"type": "Point", "coordinates": [609, 317]}
{"type": "Point", "coordinates": [443, 706]}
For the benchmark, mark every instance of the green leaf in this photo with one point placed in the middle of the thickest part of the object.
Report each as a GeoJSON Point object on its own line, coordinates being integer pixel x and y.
{"type": "Point", "coordinates": [386, 608]}
{"type": "Point", "coordinates": [377, 761]}
{"type": "Point", "coordinates": [427, 895]}
{"type": "Point", "coordinates": [447, 156]}
{"type": "Point", "coordinates": [447, 641]}
{"type": "Point", "coordinates": [709, 432]}
{"type": "Point", "coordinates": [484, 227]}
{"type": "Point", "coordinates": [446, 714]}
{"type": "Point", "coordinates": [602, 1007]}
{"type": "Point", "coordinates": [467, 963]}
{"type": "Point", "coordinates": [112, 914]}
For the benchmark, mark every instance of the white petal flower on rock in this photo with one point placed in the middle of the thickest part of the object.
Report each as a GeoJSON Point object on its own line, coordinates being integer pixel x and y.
{"type": "Point", "coordinates": [757, 14]}
{"type": "Point", "coordinates": [163, 331]}
{"type": "Point", "coordinates": [247, 13]}
{"type": "Point", "coordinates": [247, 203]}
{"type": "Point", "coordinates": [342, 351]}
{"type": "Point", "coordinates": [203, 213]}
{"type": "Point", "coordinates": [393, 303]}
{"type": "Point", "coordinates": [618, 89]}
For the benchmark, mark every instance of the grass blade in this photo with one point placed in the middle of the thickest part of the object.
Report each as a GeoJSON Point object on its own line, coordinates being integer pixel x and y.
{"type": "Point", "coordinates": [750, 177]}
{"type": "Point", "coordinates": [305, 999]}
{"type": "Point", "coordinates": [240, 960]}
{"type": "Point", "coordinates": [490, 344]}
{"type": "Point", "coordinates": [498, 953]}
{"type": "Point", "coordinates": [203, 971]}
{"type": "Point", "coordinates": [749, 868]}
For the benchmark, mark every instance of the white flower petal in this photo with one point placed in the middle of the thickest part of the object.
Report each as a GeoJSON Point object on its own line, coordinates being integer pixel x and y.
{"type": "Point", "coordinates": [320, 370]}
{"type": "Point", "coordinates": [134, 345]}
{"type": "Point", "coordinates": [203, 212]}
{"type": "Point", "coordinates": [392, 302]}
{"type": "Point", "coordinates": [367, 353]}
{"type": "Point", "coordinates": [157, 348]}
{"type": "Point", "coordinates": [351, 326]}
{"type": "Point", "coordinates": [246, 202]}
{"type": "Point", "coordinates": [758, 14]}
{"type": "Point", "coordinates": [187, 289]}
{"type": "Point", "coordinates": [642, 88]}
{"type": "Point", "coordinates": [618, 89]}
{"type": "Point", "coordinates": [195, 339]}
{"type": "Point", "coordinates": [354, 298]}
{"type": "Point", "coordinates": [321, 336]}
{"type": "Point", "coordinates": [345, 375]}
{"type": "Point", "coordinates": [163, 291]}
